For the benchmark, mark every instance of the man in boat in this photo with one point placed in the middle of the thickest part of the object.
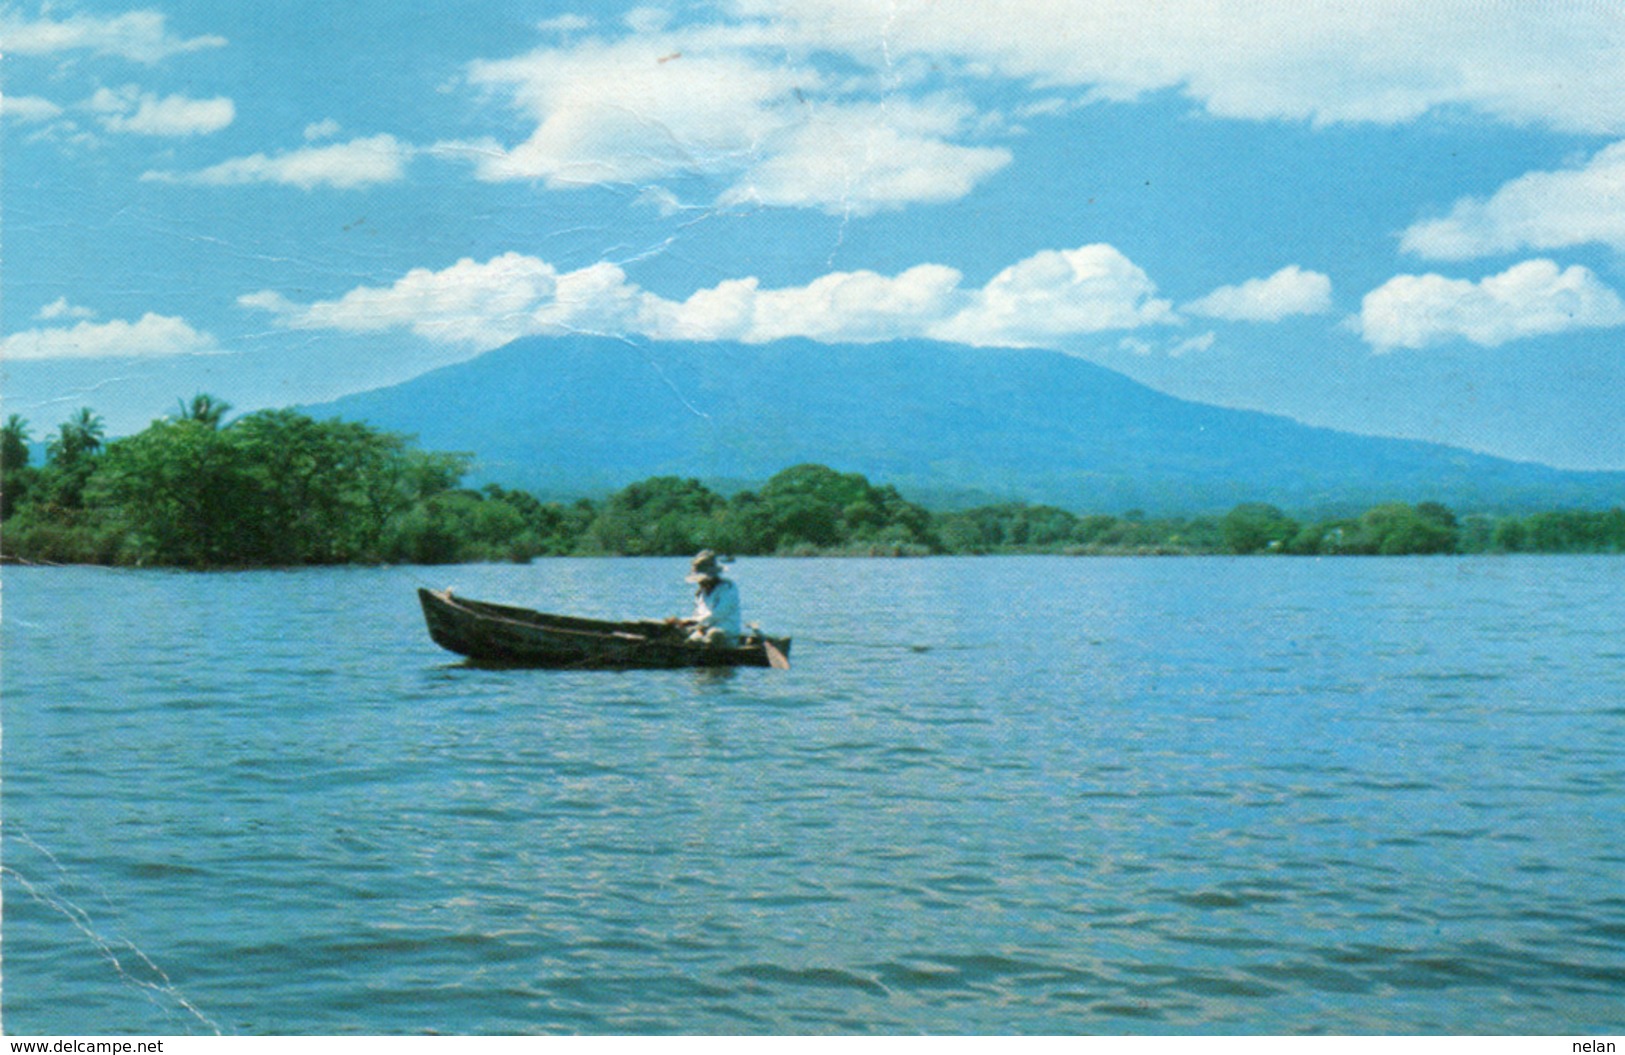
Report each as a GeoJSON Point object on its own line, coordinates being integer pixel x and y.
{"type": "Point", "coordinates": [716, 618]}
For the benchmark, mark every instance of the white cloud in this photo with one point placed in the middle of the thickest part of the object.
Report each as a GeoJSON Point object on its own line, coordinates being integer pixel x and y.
{"type": "Point", "coordinates": [61, 309]}
{"type": "Point", "coordinates": [141, 36]}
{"type": "Point", "coordinates": [323, 129]}
{"type": "Point", "coordinates": [647, 19]}
{"type": "Point", "coordinates": [632, 111]}
{"type": "Point", "coordinates": [564, 24]}
{"type": "Point", "coordinates": [28, 108]}
{"type": "Point", "coordinates": [1194, 345]}
{"type": "Point", "coordinates": [1290, 291]}
{"type": "Point", "coordinates": [862, 159]}
{"type": "Point", "coordinates": [841, 306]}
{"type": "Point", "coordinates": [1540, 210]}
{"type": "Point", "coordinates": [484, 305]}
{"type": "Point", "coordinates": [1319, 60]}
{"type": "Point", "coordinates": [1529, 299]}
{"type": "Point", "coordinates": [143, 113]}
{"type": "Point", "coordinates": [478, 305]}
{"type": "Point", "coordinates": [728, 104]}
{"type": "Point", "coordinates": [358, 163]}
{"type": "Point", "coordinates": [150, 336]}
{"type": "Point", "coordinates": [820, 103]}
{"type": "Point", "coordinates": [1176, 349]}
{"type": "Point", "coordinates": [1057, 293]}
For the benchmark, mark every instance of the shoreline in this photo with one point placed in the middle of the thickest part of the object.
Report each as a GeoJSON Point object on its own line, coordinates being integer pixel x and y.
{"type": "Point", "coordinates": [8, 561]}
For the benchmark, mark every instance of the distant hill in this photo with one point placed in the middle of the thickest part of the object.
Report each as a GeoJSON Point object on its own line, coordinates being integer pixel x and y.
{"type": "Point", "coordinates": [949, 425]}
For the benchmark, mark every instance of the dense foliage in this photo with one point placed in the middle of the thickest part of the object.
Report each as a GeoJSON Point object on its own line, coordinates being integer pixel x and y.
{"type": "Point", "coordinates": [272, 488]}
{"type": "Point", "coordinates": [279, 488]}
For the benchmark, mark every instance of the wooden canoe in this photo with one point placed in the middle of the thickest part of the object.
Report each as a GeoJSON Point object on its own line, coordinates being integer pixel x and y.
{"type": "Point", "coordinates": [502, 635]}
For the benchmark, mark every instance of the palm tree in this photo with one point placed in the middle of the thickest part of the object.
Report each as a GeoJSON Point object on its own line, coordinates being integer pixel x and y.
{"type": "Point", "coordinates": [80, 435]}
{"type": "Point", "coordinates": [14, 439]}
{"type": "Point", "coordinates": [204, 408]}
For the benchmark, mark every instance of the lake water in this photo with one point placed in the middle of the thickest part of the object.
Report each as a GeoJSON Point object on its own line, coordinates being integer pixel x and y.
{"type": "Point", "coordinates": [994, 795]}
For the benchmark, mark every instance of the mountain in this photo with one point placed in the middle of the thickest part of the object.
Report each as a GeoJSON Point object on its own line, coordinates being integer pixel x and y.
{"type": "Point", "coordinates": [949, 425]}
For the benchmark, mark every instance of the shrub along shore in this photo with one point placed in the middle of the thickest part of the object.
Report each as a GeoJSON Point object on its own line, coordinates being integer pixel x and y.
{"type": "Point", "coordinates": [278, 488]}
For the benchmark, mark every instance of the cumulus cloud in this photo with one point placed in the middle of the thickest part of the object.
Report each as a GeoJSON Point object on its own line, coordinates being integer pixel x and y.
{"type": "Point", "coordinates": [326, 128]}
{"type": "Point", "coordinates": [27, 109]}
{"type": "Point", "coordinates": [1529, 299]}
{"type": "Point", "coordinates": [841, 306]}
{"type": "Point", "coordinates": [729, 104]}
{"type": "Point", "coordinates": [823, 103]}
{"type": "Point", "coordinates": [1057, 293]}
{"type": "Point", "coordinates": [142, 36]}
{"type": "Point", "coordinates": [1290, 291]}
{"type": "Point", "coordinates": [863, 159]}
{"type": "Point", "coordinates": [634, 110]}
{"type": "Point", "coordinates": [1319, 60]}
{"type": "Point", "coordinates": [150, 336]}
{"type": "Point", "coordinates": [61, 309]}
{"type": "Point", "coordinates": [1540, 210]}
{"type": "Point", "coordinates": [481, 305]}
{"type": "Point", "coordinates": [358, 163]}
{"type": "Point", "coordinates": [472, 304]}
{"type": "Point", "coordinates": [143, 113]}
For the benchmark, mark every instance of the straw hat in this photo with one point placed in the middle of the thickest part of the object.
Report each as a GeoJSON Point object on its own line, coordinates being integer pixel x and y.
{"type": "Point", "coordinates": [705, 566]}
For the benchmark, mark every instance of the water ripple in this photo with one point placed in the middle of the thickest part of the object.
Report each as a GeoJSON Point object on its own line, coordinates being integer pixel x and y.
{"type": "Point", "coordinates": [1164, 797]}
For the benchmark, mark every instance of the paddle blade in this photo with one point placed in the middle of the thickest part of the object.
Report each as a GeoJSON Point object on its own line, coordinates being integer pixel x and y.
{"type": "Point", "coordinates": [775, 658]}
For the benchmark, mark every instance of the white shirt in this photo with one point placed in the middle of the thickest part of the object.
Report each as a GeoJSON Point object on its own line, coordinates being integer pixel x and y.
{"type": "Point", "coordinates": [719, 608]}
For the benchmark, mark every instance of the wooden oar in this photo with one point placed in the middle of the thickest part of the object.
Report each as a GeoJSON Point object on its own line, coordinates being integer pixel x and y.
{"type": "Point", "coordinates": [775, 658]}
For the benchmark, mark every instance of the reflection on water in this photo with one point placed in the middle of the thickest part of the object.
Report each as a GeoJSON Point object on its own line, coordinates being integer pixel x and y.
{"type": "Point", "coordinates": [995, 795]}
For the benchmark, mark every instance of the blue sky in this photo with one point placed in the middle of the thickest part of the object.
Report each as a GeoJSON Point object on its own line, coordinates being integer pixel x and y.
{"type": "Point", "coordinates": [1390, 218]}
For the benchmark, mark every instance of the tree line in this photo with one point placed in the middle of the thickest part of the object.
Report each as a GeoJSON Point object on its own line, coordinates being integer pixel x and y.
{"type": "Point", "coordinates": [277, 487]}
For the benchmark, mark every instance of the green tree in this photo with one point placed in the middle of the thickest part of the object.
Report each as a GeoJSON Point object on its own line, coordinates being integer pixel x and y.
{"type": "Point", "coordinates": [185, 493]}
{"type": "Point", "coordinates": [747, 525]}
{"type": "Point", "coordinates": [14, 439]}
{"type": "Point", "coordinates": [1477, 534]}
{"type": "Point", "coordinates": [1613, 530]}
{"type": "Point", "coordinates": [978, 530]}
{"type": "Point", "coordinates": [16, 476]}
{"type": "Point", "coordinates": [1198, 535]}
{"type": "Point", "coordinates": [326, 490]}
{"type": "Point", "coordinates": [205, 410]}
{"type": "Point", "coordinates": [815, 506]}
{"type": "Point", "coordinates": [549, 528]}
{"type": "Point", "coordinates": [1510, 535]}
{"type": "Point", "coordinates": [78, 438]}
{"type": "Point", "coordinates": [71, 456]}
{"type": "Point", "coordinates": [661, 516]}
{"type": "Point", "coordinates": [1254, 527]}
{"type": "Point", "coordinates": [456, 526]}
{"type": "Point", "coordinates": [1395, 528]}
{"type": "Point", "coordinates": [1573, 531]}
{"type": "Point", "coordinates": [273, 487]}
{"type": "Point", "coordinates": [1012, 526]}
{"type": "Point", "coordinates": [1097, 529]}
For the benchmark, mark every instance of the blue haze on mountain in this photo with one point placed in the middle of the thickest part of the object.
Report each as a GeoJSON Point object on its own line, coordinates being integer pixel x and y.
{"type": "Point", "coordinates": [949, 425]}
